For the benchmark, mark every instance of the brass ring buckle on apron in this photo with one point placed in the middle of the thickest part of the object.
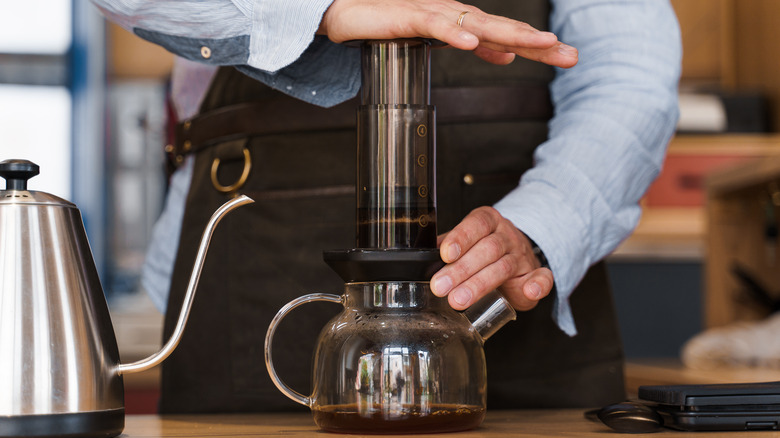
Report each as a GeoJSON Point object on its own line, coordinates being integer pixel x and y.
{"type": "Point", "coordinates": [241, 180]}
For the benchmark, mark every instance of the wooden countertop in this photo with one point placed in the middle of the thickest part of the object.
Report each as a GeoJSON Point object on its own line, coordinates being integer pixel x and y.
{"type": "Point", "coordinates": [518, 423]}
{"type": "Point", "coordinates": [521, 423]}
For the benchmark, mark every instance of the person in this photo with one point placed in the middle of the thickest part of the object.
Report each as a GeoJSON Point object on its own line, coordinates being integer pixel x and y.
{"type": "Point", "coordinates": [611, 117]}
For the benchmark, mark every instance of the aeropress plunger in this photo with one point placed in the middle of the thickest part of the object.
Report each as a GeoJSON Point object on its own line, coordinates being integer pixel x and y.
{"type": "Point", "coordinates": [396, 175]}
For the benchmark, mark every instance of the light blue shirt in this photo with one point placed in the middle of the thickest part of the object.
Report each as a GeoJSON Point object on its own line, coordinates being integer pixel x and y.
{"type": "Point", "coordinates": [615, 111]}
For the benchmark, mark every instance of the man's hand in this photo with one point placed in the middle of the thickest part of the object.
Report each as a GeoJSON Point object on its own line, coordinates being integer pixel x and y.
{"type": "Point", "coordinates": [493, 38]}
{"type": "Point", "coordinates": [484, 252]}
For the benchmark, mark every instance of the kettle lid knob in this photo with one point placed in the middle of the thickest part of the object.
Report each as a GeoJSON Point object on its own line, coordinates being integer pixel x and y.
{"type": "Point", "coordinates": [17, 172]}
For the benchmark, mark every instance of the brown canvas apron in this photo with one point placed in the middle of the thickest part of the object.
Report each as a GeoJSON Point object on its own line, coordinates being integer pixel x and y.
{"type": "Point", "coordinates": [302, 178]}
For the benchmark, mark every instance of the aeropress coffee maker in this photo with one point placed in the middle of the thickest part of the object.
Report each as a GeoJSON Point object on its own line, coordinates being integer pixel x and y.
{"type": "Point", "coordinates": [397, 359]}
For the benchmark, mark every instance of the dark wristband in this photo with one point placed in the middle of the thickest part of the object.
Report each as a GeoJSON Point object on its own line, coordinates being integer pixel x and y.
{"type": "Point", "coordinates": [542, 261]}
{"type": "Point", "coordinates": [539, 254]}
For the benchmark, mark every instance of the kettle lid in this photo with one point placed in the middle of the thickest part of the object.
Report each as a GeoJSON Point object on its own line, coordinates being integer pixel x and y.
{"type": "Point", "coordinates": [16, 174]}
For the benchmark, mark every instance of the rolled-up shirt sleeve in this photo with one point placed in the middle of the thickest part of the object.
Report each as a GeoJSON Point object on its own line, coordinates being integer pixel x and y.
{"type": "Point", "coordinates": [615, 112]}
{"type": "Point", "coordinates": [273, 41]}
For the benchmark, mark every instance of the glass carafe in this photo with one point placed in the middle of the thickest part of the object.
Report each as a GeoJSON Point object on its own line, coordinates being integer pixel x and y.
{"type": "Point", "coordinates": [397, 359]}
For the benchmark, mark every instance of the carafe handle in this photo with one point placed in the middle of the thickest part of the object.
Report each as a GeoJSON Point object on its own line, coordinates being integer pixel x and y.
{"type": "Point", "coordinates": [286, 390]}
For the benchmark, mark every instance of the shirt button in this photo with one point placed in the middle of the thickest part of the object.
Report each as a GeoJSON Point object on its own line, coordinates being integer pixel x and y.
{"type": "Point", "coordinates": [205, 52]}
{"type": "Point", "coordinates": [468, 179]}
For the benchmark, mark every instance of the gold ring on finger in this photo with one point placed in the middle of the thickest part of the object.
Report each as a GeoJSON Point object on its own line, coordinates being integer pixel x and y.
{"type": "Point", "coordinates": [460, 18]}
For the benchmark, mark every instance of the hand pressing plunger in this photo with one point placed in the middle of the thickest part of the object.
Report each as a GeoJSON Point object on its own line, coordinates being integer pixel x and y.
{"type": "Point", "coordinates": [484, 252]}
{"type": "Point", "coordinates": [493, 38]}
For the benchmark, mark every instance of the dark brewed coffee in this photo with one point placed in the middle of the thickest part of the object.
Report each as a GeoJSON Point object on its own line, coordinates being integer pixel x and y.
{"type": "Point", "coordinates": [438, 418]}
{"type": "Point", "coordinates": [405, 228]}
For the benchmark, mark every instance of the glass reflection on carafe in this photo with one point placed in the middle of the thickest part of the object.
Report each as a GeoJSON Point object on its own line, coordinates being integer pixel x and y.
{"type": "Point", "coordinates": [405, 379]}
{"type": "Point", "coordinates": [407, 363]}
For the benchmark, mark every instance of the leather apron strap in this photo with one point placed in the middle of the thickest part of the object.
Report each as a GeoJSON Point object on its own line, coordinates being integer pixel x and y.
{"type": "Point", "coordinates": [523, 101]}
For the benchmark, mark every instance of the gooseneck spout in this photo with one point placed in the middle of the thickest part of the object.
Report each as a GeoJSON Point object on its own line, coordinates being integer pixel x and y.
{"type": "Point", "coordinates": [173, 341]}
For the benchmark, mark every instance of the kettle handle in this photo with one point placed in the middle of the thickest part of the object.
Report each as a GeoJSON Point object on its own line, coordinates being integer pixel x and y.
{"type": "Point", "coordinates": [286, 390]}
{"type": "Point", "coordinates": [173, 341]}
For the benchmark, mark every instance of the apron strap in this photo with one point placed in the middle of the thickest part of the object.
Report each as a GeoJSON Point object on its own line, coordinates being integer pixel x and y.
{"type": "Point", "coordinates": [454, 105]}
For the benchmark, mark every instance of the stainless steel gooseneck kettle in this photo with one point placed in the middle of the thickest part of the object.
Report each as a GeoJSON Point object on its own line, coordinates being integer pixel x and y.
{"type": "Point", "coordinates": [59, 364]}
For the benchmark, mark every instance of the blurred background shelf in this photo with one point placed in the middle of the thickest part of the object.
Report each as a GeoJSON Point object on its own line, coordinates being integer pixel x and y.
{"type": "Point", "coordinates": [673, 224]}
{"type": "Point", "coordinates": [665, 233]}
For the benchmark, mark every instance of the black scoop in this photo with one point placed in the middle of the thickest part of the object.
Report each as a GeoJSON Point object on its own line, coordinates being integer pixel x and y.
{"type": "Point", "coordinates": [630, 417]}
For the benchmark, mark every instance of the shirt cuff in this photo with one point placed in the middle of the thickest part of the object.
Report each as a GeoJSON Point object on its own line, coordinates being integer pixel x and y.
{"type": "Point", "coordinates": [282, 30]}
{"type": "Point", "coordinates": [542, 214]}
{"type": "Point", "coordinates": [326, 74]}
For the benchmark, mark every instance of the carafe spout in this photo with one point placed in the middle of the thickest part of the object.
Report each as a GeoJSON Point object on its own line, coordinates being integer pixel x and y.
{"type": "Point", "coordinates": [490, 314]}
{"type": "Point", "coordinates": [173, 341]}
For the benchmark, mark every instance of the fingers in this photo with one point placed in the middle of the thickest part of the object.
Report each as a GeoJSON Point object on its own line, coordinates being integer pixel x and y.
{"type": "Point", "coordinates": [443, 26]}
{"type": "Point", "coordinates": [493, 38]}
{"type": "Point", "coordinates": [493, 56]}
{"type": "Point", "coordinates": [484, 267]}
{"type": "Point", "coordinates": [474, 227]}
{"type": "Point", "coordinates": [484, 252]}
{"type": "Point", "coordinates": [560, 55]}
{"type": "Point", "coordinates": [501, 38]}
{"type": "Point", "coordinates": [525, 292]}
{"type": "Point", "coordinates": [475, 286]}
{"type": "Point", "coordinates": [505, 32]}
